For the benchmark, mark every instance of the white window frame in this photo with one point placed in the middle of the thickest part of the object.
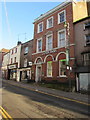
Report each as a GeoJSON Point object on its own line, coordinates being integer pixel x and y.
{"type": "Point", "coordinates": [37, 45]}
{"type": "Point", "coordinates": [25, 61]}
{"type": "Point", "coordinates": [86, 40]}
{"type": "Point", "coordinates": [15, 60]}
{"type": "Point", "coordinates": [60, 70]}
{"type": "Point", "coordinates": [85, 24]}
{"type": "Point", "coordinates": [11, 61]}
{"type": "Point", "coordinates": [12, 51]}
{"type": "Point", "coordinates": [63, 30]}
{"type": "Point", "coordinates": [16, 50]}
{"type": "Point", "coordinates": [47, 42]}
{"type": "Point", "coordinates": [26, 51]}
{"type": "Point", "coordinates": [38, 27]}
{"type": "Point", "coordinates": [86, 59]}
{"type": "Point", "coordinates": [59, 16]}
{"type": "Point", "coordinates": [47, 69]}
{"type": "Point", "coordinates": [48, 22]}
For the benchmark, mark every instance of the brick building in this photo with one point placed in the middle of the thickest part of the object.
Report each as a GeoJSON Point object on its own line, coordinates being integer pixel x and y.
{"type": "Point", "coordinates": [53, 44]}
{"type": "Point", "coordinates": [26, 60]}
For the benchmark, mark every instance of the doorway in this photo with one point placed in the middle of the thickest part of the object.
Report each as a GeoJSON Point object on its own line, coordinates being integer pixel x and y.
{"type": "Point", "coordinates": [38, 73]}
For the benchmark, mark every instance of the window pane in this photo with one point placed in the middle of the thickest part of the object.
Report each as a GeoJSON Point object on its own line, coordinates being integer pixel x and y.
{"type": "Point", "coordinates": [62, 67]}
{"type": "Point", "coordinates": [87, 59]}
{"type": "Point", "coordinates": [40, 27]}
{"type": "Point", "coordinates": [50, 23]}
{"type": "Point", "coordinates": [49, 42]}
{"type": "Point", "coordinates": [11, 60]}
{"type": "Point", "coordinates": [15, 59]}
{"type": "Point", "coordinates": [49, 68]}
{"type": "Point", "coordinates": [25, 63]}
{"type": "Point", "coordinates": [61, 39]}
{"type": "Point", "coordinates": [61, 15]}
{"type": "Point", "coordinates": [87, 39]}
{"type": "Point", "coordinates": [26, 50]}
{"type": "Point", "coordinates": [16, 50]}
{"type": "Point", "coordinates": [87, 25]}
{"type": "Point", "coordinates": [12, 52]}
{"type": "Point", "coordinates": [39, 45]}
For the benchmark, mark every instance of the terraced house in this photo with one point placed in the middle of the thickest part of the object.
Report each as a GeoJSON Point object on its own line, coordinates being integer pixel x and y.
{"type": "Point", "coordinates": [26, 61]}
{"type": "Point", "coordinates": [14, 62]}
{"type": "Point", "coordinates": [53, 45]}
{"type": "Point", "coordinates": [82, 53]}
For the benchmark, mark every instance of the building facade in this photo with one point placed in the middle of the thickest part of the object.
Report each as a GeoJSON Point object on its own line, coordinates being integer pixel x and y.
{"type": "Point", "coordinates": [26, 61]}
{"type": "Point", "coordinates": [5, 63]}
{"type": "Point", "coordinates": [88, 7]}
{"type": "Point", "coordinates": [14, 63]}
{"type": "Point", "coordinates": [53, 45]}
{"type": "Point", "coordinates": [2, 53]}
{"type": "Point", "coordinates": [82, 53]}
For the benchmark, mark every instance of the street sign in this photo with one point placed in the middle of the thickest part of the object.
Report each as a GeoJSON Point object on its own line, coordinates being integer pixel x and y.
{"type": "Point", "coordinates": [30, 63]}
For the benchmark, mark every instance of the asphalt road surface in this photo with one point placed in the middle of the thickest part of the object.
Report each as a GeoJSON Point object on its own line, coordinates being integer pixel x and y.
{"type": "Point", "coordinates": [24, 103]}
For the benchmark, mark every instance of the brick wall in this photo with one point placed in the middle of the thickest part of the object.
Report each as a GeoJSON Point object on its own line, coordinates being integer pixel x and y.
{"type": "Point", "coordinates": [55, 56]}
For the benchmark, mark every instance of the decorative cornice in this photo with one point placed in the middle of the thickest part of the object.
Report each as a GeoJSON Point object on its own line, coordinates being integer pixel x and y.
{"type": "Point", "coordinates": [51, 50]}
{"type": "Point", "coordinates": [54, 9]}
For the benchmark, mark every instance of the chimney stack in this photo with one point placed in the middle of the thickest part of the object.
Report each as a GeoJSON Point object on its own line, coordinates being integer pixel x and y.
{"type": "Point", "coordinates": [19, 42]}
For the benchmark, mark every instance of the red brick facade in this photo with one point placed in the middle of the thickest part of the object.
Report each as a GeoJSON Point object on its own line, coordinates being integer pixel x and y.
{"type": "Point", "coordinates": [56, 53]}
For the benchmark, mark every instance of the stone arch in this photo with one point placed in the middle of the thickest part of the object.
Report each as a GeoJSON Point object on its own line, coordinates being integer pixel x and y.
{"type": "Point", "coordinates": [59, 54]}
{"type": "Point", "coordinates": [38, 59]}
{"type": "Point", "coordinates": [47, 57]}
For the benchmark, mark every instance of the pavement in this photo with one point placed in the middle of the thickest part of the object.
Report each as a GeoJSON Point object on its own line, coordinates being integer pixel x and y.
{"type": "Point", "coordinates": [73, 96]}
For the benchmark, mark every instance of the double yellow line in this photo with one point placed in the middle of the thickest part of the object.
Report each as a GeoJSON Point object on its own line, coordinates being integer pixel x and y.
{"type": "Point", "coordinates": [5, 114]}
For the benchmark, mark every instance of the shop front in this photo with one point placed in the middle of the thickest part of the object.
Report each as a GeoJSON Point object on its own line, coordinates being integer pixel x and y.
{"type": "Point", "coordinates": [25, 74]}
{"type": "Point", "coordinates": [4, 72]}
{"type": "Point", "coordinates": [12, 71]}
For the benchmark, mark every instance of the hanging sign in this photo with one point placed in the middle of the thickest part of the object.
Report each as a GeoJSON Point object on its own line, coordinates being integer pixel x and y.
{"type": "Point", "coordinates": [11, 66]}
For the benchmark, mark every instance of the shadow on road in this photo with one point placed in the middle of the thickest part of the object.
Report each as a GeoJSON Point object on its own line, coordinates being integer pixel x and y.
{"type": "Point", "coordinates": [46, 99]}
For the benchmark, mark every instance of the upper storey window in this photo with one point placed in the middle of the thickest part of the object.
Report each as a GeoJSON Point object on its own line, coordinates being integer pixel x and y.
{"type": "Point", "coordinates": [15, 50]}
{"type": "Point", "coordinates": [86, 58]}
{"type": "Point", "coordinates": [61, 38]}
{"type": "Point", "coordinates": [49, 42]}
{"type": "Point", "coordinates": [11, 60]}
{"type": "Point", "coordinates": [39, 45]}
{"type": "Point", "coordinates": [87, 39]}
{"type": "Point", "coordinates": [40, 27]}
{"type": "Point", "coordinates": [87, 25]}
{"type": "Point", "coordinates": [50, 22]}
{"type": "Point", "coordinates": [12, 51]}
{"type": "Point", "coordinates": [26, 50]}
{"type": "Point", "coordinates": [61, 17]}
{"type": "Point", "coordinates": [25, 63]}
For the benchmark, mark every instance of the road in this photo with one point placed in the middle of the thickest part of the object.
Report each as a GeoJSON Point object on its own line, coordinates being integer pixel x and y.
{"type": "Point", "coordinates": [24, 103]}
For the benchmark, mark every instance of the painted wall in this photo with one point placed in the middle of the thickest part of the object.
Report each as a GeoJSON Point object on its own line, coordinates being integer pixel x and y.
{"type": "Point", "coordinates": [17, 55]}
{"type": "Point", "coordinates": [6, 59]}
{"type": "Point", "coordinates": [79, 10]}
{"type": "Point", "coordinates": [80, 42]}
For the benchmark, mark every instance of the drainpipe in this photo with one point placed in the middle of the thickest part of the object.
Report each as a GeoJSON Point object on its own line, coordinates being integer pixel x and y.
{"type": "Point", "coordinates": [67, 26]}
